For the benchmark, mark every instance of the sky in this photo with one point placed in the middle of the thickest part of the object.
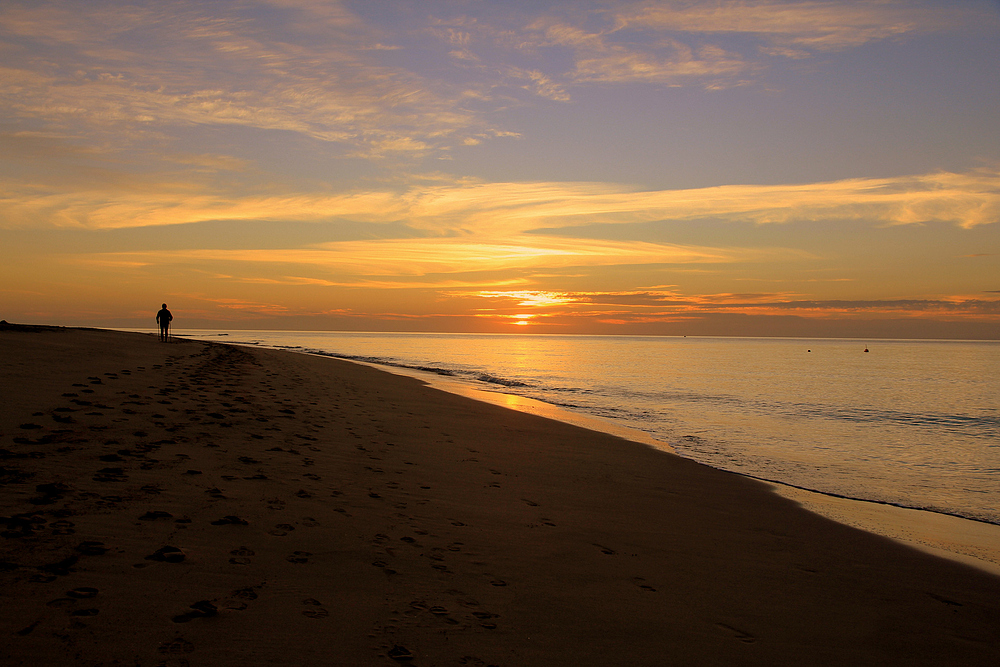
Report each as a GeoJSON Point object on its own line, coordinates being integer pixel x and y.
{"type": "Point", "coordinates": [680, 167]}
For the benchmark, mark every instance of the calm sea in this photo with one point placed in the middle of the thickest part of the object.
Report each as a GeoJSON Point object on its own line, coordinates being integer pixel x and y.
{"type": "Point", "coordinates": [911, 423]}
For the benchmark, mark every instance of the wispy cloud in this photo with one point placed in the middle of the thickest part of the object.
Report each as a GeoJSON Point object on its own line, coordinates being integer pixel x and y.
{"type": "Point", "coordinates": [608, 57]}
{"type": "Point", "coordinates": [419, 257]}
{"type": "Point", "coordinates": [483, 212]}
{"type": "Point", "coordinates": [814, 25]}
{"type": "Point", "coordinates": [692, 42]}
{"type": "Point", "coordinates": [648, 305]}
{"type": "Point", "coordinates": [132, 71]}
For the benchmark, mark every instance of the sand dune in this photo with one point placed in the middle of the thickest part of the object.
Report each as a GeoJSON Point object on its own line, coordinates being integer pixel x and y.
{"type": "Point", "coordinates": [190, 503]}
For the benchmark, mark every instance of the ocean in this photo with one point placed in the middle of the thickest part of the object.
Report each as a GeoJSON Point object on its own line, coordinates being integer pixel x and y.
{"type": "Point", "coordinates": [909, 423]}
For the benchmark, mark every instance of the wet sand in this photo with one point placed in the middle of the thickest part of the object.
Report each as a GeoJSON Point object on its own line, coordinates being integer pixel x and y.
{"type": "Point", "coordinates": [192, 503]}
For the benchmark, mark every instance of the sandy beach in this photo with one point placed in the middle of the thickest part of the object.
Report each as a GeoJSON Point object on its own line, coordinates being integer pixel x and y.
{"type": "Point", "coordinates": [187, 503]}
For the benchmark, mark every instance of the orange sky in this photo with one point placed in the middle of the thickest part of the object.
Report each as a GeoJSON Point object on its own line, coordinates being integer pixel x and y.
{"type": "Point", "coordinates": [809, 168]}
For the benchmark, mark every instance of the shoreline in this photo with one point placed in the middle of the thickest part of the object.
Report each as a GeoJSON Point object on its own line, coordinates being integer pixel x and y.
{"type": "Point", "coordinates": [964, 540]}
{"type": "Point", "coordinates": [202, 503]}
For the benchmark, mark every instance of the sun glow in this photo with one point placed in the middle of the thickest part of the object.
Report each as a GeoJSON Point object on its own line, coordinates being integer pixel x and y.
{"type": "Point", "coordinates": [284, 178]}
{"type": "Point", "coordinates": [530, 298]}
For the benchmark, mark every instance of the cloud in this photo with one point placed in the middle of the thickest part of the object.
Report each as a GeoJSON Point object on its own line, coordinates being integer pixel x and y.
{"type": "Point", "coordinates": [651, 307]}
{"type": "Point", "coordinates": [539, 84]}
{"type": "Point", "coordinates": [300, 67]}
{"type": "Point", "coordinates": [499, 213]}
{"type": "Point", "coordinates": [609, 56]}
{"type": "Point", "coordinates": [815, 25]}
{"type": "Point", "coordinates": [680, 63]}
{"type": "Point", "coordinates": [420, 257]}
{"type": "Point", "coordinates": [674, 42]}
{"type": "Point", "coordinates": [126, 73]}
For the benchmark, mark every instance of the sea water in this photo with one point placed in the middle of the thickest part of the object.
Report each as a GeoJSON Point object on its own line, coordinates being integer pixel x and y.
{"type": "Point", "coordinates": [909, 423]}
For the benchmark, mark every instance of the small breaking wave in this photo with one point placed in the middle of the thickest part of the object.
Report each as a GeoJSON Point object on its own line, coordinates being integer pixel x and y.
{"type": "Point", "coordinates": [381, 361]}
{"type": "Point", "coordinates": [493, 379]}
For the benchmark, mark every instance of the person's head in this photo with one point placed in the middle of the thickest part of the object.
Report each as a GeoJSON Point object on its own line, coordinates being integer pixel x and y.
{"type": "Point", "coordinates": [163, 306]}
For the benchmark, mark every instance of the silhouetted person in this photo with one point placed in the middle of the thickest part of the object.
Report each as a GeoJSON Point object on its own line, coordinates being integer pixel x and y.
{"type": "Point", "coordinates": [163, 319]}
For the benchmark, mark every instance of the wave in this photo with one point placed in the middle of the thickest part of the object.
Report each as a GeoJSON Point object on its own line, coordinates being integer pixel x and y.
{"type": "Point", "coordinates": [493, 379]}
{"type": "Point", "coordinates": [381, 361]}
{"type": "Point", "coordinates": [963, 424]}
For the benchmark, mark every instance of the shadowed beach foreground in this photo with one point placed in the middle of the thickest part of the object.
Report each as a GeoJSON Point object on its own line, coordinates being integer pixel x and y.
{"type": "Point", "coordinates": [191, 503]}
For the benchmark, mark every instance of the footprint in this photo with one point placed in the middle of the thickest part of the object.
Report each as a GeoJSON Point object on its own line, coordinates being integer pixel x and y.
{"type": "Point", "coordinates": [231, 520]}
{"type": "Point", "coordinates": [200, 609]}
{"type": "Point", "coordinates": [483, 615]}
{"type": "Point", "coordinates": [744, 637]}
{"type": "Point", "coordinates": [167, 554]}
{"type": "Point", "coordinates": [641, 583]}
{"type": "Point", "coordinates": [177, 646]}
{"type": "Point", "coordinates": [110, 475]}
{"type": "Point", "coordinates": [316, 610]}
{"type": "Point", "coordinates": [245, 593]}
{"type": "Point", "coordinates": [60, 602]}
{"type": "Point", "coordinates": [299, 557]}
{"type": "Point", "coordinates": [60, 568]}
{"type": "Point", "coordinates": [400, 654]}
{"type": "Point", "coordinates": [83, 593]}
{"type": "Point", "coordinates": [945, 600]}
{"type": "Point", "coordinates": [62, 527]}
{"type": "Point", "coordinates": [92, 548]}
{"type": "Point", "coordinates": [281, 529]}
